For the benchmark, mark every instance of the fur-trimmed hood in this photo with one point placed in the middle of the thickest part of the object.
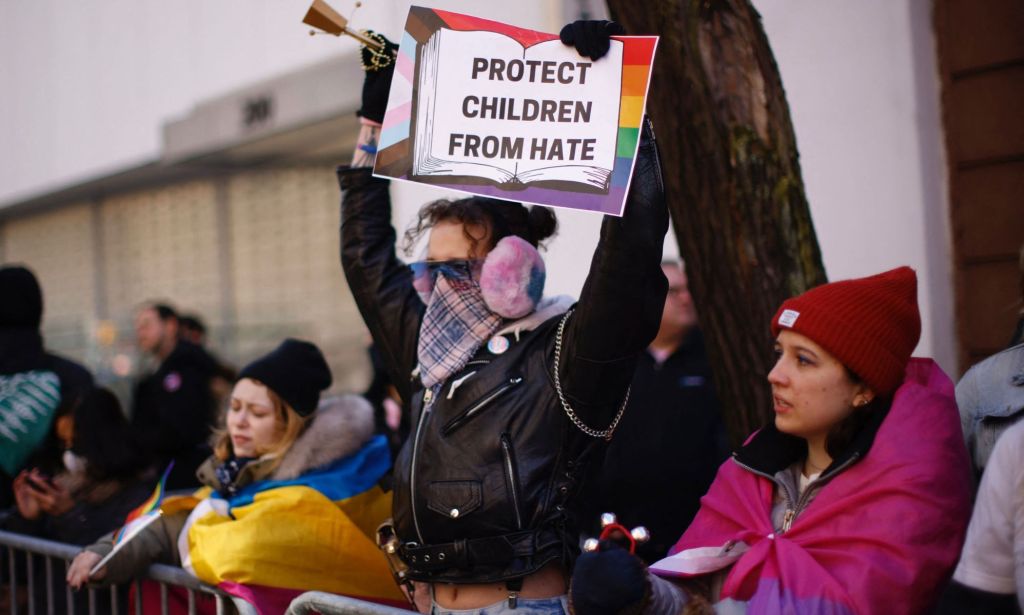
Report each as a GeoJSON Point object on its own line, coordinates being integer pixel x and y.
{"type": "Point", "coordinates": [547, 308]}
{"type": "Point", "coordinates": [340, 427]}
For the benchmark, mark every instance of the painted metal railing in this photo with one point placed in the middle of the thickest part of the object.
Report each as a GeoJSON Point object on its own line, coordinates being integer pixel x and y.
{"type": "Point", "coordinates": [54, 596]}
{"type": "Point", "coordinates": [39, 567]}
{"type": "Point", "coordinates": [331, 604]}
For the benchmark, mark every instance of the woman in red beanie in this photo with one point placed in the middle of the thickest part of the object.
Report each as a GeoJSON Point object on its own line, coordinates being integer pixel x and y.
{"type": "Point", "coordinates": [855, 499]}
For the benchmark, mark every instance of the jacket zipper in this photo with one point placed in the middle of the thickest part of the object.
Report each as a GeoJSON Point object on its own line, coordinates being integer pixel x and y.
{"type": "Point", "coordinates": [428, 403]}
{"type": "Point", "coordinates": [510, 470]}
{"type": "Point", "coordinates": [787, 520]}
{"type": "Point", "coordinates": [806, 495]}
{"type": "Point", "coordinates": [483, 402]}
{"type": "Point", "coordinates": [792, 512]}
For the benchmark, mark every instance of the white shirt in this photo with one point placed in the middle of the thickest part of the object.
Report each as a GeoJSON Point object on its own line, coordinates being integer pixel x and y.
{"type": "Point", "coordinates": [807, 480]}
{"type": "Point", "coordinates": [993, 556]}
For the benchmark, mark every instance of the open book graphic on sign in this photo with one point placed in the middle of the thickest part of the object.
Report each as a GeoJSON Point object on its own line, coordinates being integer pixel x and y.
{"type": "Point", "coordinates": [500, 111]}
{"type": "Point", "coordinates": [490, 111]}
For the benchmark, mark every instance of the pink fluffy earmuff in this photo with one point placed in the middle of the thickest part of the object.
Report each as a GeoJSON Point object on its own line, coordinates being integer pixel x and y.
{"type": "Point", "coordinates": [512, 278]}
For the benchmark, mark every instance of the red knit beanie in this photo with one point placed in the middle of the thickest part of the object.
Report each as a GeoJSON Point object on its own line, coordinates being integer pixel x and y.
{"type": "Point", "coordinates": [869, 324]}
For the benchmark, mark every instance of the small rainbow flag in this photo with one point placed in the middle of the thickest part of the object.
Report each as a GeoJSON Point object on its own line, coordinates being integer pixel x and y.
{"type": "Point", "coordinates": [150, 506]}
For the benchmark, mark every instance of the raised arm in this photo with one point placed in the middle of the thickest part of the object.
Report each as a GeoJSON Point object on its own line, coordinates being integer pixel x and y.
{"type": "Point", "coordinates": [380, 283]}
{"type": "Point", "coordinates": [619, 310]}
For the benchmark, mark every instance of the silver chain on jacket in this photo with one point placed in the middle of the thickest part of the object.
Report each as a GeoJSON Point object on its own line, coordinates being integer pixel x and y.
{"type": "Point", "coordinates": [593, 433]}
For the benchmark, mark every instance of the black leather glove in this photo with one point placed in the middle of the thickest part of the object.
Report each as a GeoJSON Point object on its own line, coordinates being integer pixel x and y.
{"type": "Point", "coordinates": [607, 582]}
{"type": "Point", "coordinates": [377, 83]}
{"type": "Point", "coordinates": [591, 38]}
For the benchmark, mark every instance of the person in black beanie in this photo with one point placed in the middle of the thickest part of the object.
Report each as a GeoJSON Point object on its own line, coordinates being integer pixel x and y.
{"type": "Point", "coordinates": [295, 370]}
{"type": "Point", "coordinates": [282, 459]}
{"type": "Point", "coordinates": [48, 384]}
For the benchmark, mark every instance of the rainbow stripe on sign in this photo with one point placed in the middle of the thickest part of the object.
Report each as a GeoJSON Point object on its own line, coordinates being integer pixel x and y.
{"type": "Point", "coordinates": [395, 148]}
{"type": "Point", "coordinates": [637, 55]}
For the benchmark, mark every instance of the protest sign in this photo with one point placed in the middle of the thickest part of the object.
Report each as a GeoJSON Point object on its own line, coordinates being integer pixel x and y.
{"type": "Point", "coordinates": [487, 108]}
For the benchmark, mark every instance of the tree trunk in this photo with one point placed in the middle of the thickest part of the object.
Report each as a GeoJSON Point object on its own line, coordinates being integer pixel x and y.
{"type": "Point", "coordinates": [733, 183]}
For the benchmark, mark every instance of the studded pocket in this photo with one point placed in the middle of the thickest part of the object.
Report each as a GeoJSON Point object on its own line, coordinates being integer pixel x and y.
{"type": "Point", "coordinates": [454, 498]}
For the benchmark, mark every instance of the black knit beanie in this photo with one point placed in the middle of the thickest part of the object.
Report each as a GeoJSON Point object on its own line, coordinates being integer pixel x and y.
{"type": "Point", "coordinates": [296, 371]}
{"type": "Point", "coordinates": [22, 304]}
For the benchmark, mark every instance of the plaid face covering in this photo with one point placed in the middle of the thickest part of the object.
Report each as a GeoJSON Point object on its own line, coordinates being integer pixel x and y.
{"type": "Point", "coordinates": [456, 323]}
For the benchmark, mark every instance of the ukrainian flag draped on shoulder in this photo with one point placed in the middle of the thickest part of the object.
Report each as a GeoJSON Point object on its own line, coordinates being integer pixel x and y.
{"type": "Point", "coordinates": [276, 538]}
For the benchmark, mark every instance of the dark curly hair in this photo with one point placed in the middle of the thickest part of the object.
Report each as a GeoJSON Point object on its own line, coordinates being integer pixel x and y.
{"type": "Point", "coordinates": [501, 218]}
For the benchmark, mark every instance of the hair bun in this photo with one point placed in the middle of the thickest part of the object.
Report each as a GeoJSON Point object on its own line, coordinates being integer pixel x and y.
{"type": "Point", "coordinates": [542, 223]}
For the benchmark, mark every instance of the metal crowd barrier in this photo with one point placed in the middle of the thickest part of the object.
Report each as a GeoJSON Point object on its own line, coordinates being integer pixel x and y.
{"type": "Point", "coordinates": [330, 604]}
{"type": "Point", "coordinates": [58, 553]}
{"type": "Point", "coordinates": [57, 556]}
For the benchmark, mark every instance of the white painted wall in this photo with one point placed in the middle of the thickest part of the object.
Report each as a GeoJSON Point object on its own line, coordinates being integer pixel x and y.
{"type": "Point", "coordinates": [863, 87]}
{"type": "Point", "coordinates": [87, 86]}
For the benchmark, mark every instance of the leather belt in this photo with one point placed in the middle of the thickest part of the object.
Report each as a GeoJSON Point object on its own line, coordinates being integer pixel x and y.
{"type": "Point", "coordinates": [470, 552]}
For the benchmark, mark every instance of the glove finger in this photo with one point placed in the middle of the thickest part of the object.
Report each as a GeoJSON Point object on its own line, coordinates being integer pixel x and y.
{"type": "Point", "coordinates": [581, 37]}
{"type": "Point", "coordinates": [600, 48]}
{"type": "Point", "coordinates": [566, 35]}
{"type": "Point", "coordinates": [593, 32]}
{"type": "Point", "coordinates": [615, 28]}
{"type": "Point", "coordinates": [387, 41]}
{"type": "Point", "coordinates": [367, 55]}
{"type": "Point", "coordinates": [601, 38]}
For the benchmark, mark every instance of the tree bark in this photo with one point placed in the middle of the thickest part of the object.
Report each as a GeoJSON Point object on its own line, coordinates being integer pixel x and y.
{"type": "Point", "coordinates": [733, 182]}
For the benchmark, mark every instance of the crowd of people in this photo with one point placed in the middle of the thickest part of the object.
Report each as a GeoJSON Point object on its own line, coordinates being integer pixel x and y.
{"type": "Point", "coordinates": [522, 418]}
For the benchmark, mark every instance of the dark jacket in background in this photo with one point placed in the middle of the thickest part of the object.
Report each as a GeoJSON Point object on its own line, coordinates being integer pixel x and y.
{"type": "Point", "coordinates": [173, 412]}
{"type": "Point", "coordinates": [665, 452]}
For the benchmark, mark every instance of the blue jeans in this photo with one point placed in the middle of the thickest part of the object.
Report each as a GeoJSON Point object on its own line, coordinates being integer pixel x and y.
{"type": "Point", "coordinates": [539, 606]}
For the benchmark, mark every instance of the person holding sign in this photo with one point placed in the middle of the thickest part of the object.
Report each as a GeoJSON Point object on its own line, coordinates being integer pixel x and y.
{"type": "Point", "coordinates": [855, 499]}
{"type": "Point", "coordinates": [511, 393]}
{"type": "Point", "coordinates": [291, 498]}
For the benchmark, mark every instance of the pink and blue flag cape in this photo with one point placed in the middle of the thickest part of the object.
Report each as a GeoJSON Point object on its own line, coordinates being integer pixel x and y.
{"type": "Point", "coordinates": [881, 537]}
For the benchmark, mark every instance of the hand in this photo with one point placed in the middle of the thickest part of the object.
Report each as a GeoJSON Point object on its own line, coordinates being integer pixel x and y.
{"type": "Point", "coordinates": [78, 571]}
{"type": "Point", "coordinates": [591, 38]}
{"type": "Point", "coordinates": [606, 582]}
{"type": "Point", "coordinates": [377, 83]}
{"type": "Point", "coordinates": [392, 414]}
{"type": "Point", "coordinates": [53, 499]}
{"type": "Point", "coordinates": [24, 496]}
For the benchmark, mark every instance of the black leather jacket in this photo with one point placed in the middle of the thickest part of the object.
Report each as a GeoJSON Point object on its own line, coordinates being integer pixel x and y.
{"type": "Point", "coordinates": [486, 485]}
